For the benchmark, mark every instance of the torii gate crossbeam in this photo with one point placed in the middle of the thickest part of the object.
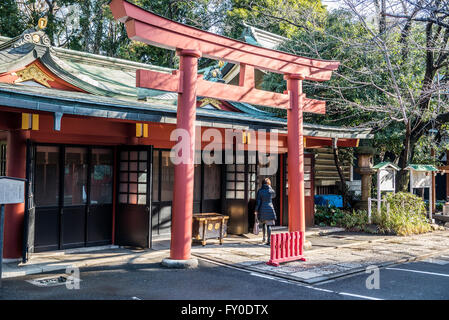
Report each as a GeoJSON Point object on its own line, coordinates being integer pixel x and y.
{"type": "Point", "coordinates": [190, 44]}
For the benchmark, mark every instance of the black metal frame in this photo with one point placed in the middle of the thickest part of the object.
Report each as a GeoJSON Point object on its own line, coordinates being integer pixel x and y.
{"type": "Point", "coordinates": [29, 204]}
{"type": "Point", "coordinates": [60, 206]}
{"type": "Point", "coordinates": [157, 205]}
{"type": "Point", "coordinates": [3, 147]}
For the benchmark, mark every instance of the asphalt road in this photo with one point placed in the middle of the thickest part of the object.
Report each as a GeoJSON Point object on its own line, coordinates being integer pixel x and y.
{"type": "Point", "coordinates": [151, 281]}
{"type": "Point", "coordinates": [422, 280]}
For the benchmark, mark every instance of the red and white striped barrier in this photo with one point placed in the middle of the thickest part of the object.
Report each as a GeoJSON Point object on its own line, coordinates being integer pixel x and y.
{"type": "Point", "coordinates": [286, 247]}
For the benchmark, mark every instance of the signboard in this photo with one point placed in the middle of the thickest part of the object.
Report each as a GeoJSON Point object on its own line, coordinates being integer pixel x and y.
{"type": "Point", "coordinates": [421, 179]}
{"type": "Point", "coordinates": [12, 190]}
{"type": "Point", "coordinates": [386, 179]}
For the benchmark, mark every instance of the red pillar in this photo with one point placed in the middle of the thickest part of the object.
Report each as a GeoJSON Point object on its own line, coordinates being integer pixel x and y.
{"type": "Point", "coordinates": [182, 209]}
{"type": "Point", "coordinates": [14, 213]}
{"type": "Point", "coordinates": [295, 162]}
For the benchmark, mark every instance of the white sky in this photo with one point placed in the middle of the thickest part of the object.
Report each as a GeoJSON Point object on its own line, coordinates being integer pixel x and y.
{"type": "Point", "coordinates": [364, 7]}
{"type": "Point", "coordinates": [331, 4]}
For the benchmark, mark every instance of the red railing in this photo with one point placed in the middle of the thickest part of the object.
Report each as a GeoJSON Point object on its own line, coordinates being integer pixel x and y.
{"type": "Point", "coordinates": [286, 247]}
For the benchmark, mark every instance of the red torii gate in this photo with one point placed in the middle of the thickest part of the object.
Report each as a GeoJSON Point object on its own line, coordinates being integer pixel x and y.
{"type": "Point", "coordinates": [190, 44]}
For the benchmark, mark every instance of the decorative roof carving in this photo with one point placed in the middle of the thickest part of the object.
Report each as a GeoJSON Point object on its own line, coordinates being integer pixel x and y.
{"type": "Point", "coordinates": [34, 37]}
{"type": "Point", "coordinates": [33, 72]}
{"type": "Point", "coordinates": [211, 101]}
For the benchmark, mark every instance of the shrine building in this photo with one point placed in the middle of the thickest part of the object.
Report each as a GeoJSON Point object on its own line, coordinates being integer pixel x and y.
{"type": "Point", "coordinates": [95, 149]}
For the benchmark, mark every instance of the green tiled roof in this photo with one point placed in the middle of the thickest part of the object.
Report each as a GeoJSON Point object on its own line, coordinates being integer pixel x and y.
{"type": "Point", "coordinates": [421, 167]}
{"type": "Point", "coordinates": [383, 165]}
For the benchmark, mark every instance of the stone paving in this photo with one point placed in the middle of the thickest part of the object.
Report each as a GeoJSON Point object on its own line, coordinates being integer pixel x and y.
{"type": "Point", "coordinates": [331, 256]}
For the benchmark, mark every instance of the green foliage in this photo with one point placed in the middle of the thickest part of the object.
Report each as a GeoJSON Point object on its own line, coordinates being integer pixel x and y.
{"type": "Point", "coordinates": [10, 19]}
{"type": "Point", "coordinates": [439, 205]}
{"type": "Point", "coordinates": [354, 220]}
{"type": "Point", "coordinates": [406, 215]}
{"type": "Point", "coordinates": [280, 17]}
{"type": "Point", "coordinates": [328, 216]}
{"type": "Point", "coordinates": [427, 143]}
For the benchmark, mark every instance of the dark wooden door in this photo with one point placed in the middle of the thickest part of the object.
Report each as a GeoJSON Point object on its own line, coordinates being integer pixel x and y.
{"type": "Point", "coordinates": [74, 202]}
{"type": "Point", "coordinates": [99, 211]}
{"type": "Point", "coordinates": [133, 223]}
{"type": "Point", "coordinates": [236, 203]}
{"type": "Point", "coordinates": [46, 188]}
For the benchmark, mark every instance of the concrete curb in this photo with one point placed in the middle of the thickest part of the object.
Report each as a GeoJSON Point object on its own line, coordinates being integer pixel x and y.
{"type": "Point", "coordinates": [25, 270]}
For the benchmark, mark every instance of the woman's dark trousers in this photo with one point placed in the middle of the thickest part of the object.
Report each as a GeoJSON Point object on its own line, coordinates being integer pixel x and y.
{"type": "Point", "coordinates": [266, 229]}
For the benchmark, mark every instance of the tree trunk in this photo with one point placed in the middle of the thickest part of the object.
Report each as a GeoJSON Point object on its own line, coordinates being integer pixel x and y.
{"type": "Point", "coordinates": [403, 177]}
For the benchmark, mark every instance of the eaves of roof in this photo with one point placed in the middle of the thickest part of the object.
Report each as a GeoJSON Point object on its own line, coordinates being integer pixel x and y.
{"type": "Point", "coordinates": [76, 103]}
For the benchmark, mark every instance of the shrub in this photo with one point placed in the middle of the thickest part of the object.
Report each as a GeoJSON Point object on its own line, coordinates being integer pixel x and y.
{"type": "Point", "coordinates": [328, 216]}
{"type": "Point", "coordinates": [355, 220]}
{"type": "Point", "coordinates": [406, 215]}
{"type": "Point", "coordinates": [332, 216]}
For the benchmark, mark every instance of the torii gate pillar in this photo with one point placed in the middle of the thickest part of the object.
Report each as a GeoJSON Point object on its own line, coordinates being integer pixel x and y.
{"type": "Point", "coordinates": [182, 209]}
{"type": "Point", "coordinates": [152, 29]}
{"type": "Point", "coordinates": [295, 162]}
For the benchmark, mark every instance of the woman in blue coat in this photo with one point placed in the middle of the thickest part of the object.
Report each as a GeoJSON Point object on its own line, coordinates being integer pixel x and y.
{"type": "Point", "coordinates": [264, 208]}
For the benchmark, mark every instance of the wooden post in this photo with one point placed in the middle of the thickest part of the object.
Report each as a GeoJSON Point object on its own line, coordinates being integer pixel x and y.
{"type": "Point", "coordinates": [296, 208]}
{"type": "Point", "coordinates": [366, 170]}
{"type": "Point", "coordinates": [182, 209]}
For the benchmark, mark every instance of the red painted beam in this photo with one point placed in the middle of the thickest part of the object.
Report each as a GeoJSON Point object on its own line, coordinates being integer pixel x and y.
{"type": "Point", "coordinates": [155, 30]}
{"type": "Point", "coordinates": [251, 95]}
{"type": "Point", "coordinates": [159, 80]}
{"type": "Point", "coordinates": [312, 142]}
